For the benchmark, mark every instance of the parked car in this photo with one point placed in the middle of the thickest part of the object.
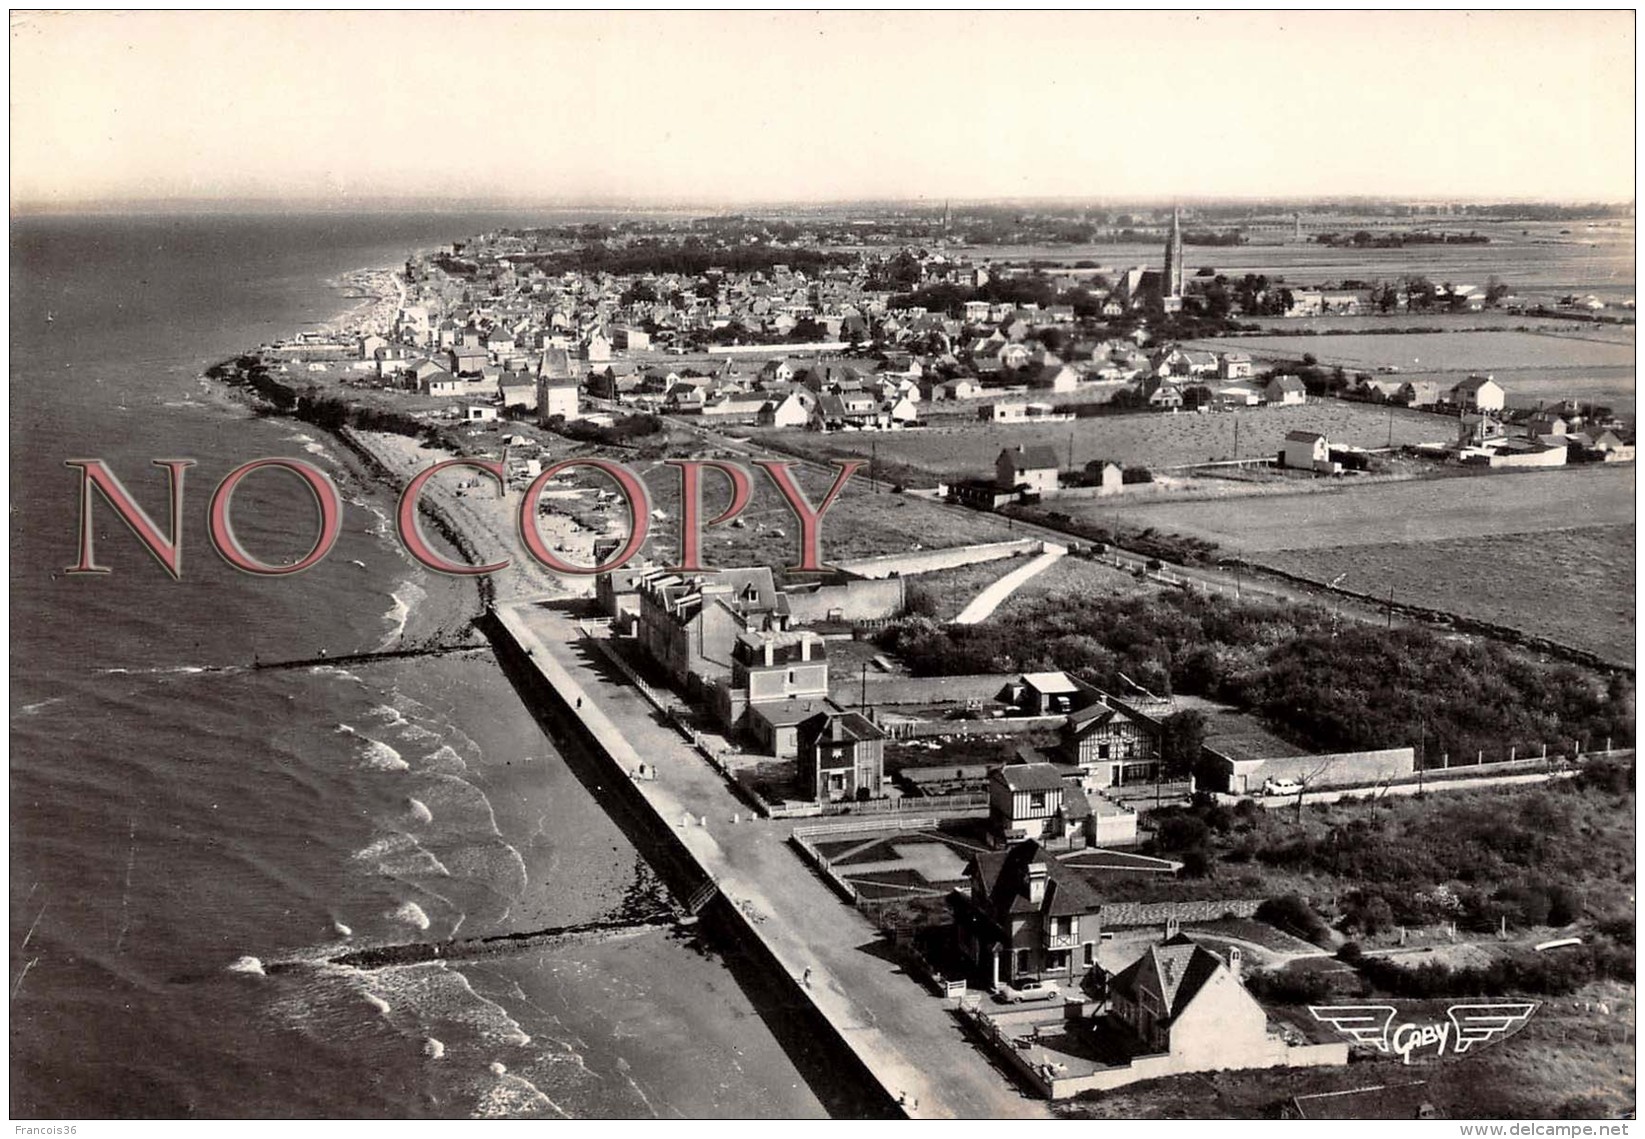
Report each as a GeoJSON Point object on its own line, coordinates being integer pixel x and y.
{"type": "Point", "coordinates": [1027, 991]}
{"type": "Point", "coordinates": [1281, 787]}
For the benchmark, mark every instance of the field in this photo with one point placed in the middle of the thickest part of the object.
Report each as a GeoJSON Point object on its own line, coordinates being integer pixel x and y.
{"type": "Point", "coordinates": [1538, 261]}
{"type": "Point", "coordinates": [1441, 351]}
{"type": "Point", "coordinates": [1424, 510]}
{"type": "Point", "coordinates": [1143, 439]}
{"type": "Point", "coordinates": [1570, 586]}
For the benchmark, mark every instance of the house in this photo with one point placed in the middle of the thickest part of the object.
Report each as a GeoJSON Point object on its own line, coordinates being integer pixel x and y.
{"type": "Point", "coordinates": [1181, 1000]}
{"type": "Point", "coordinates": [467, 359]}
{"type": "Point", "coordinates": [517, 390]}
{"type": "Point", "coordinates": [902, 410]}
{"type": "Point", "coordinates": [689, 624]}
{"type": "Point", "coordinates": [770, 666]}
{"type": "Point", "coordinates": [1478, 393]}
{"type": "Point", "coordinates": [1108, 478]}
{"type": "Point", "coordinates": [1547, 422]}
{"type": "Point", "coordinates": [439, 382]}
{"type": "Point", "coordinates": [1031, 801]}
{"type": "Point", "coordinates": [1025, 917]}
{"type": "Point", "coordinates": [479, 413]}
{"type": "Point", "coordinates": [1306, 451]}
{"type": "Point", "coordinates": [1110, 744]}
{"type": "Point", "coordinates": [630, 339]}
{"type": "Point", "coordinates": [845, 751]}
{"type": "Point", "coordinates": [791, 410]}
{"type": "Point", "coordinates": [1234, 366]}
{"type": "Point", "coordinates": [1285, 391]}
{"type": "Point", "coordinates": [1418, 393]}
{"type": "Point", "coordinates": [1031, 470]}
{"type": "Point", "coordinates": [557, 398]}
{"type": "Point", "coordinates": [596, 347]}
{"type": "Point", "coordinates": [1046, 694]}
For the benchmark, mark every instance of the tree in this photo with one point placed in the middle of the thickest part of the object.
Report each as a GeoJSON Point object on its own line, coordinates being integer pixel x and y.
{"type": "Point", "coordinates": [1182, 738]}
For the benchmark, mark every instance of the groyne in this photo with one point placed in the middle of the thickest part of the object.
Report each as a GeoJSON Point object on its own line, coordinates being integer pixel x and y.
{"type": "Point", "coordinates": [833, 1067]}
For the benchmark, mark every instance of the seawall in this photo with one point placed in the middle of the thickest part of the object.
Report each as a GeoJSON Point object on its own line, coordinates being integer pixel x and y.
{"type": "Point", "coordinates": [831, 1065]}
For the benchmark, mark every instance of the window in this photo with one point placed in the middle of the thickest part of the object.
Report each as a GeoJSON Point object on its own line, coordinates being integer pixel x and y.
{"type": "Point", "coordinates": [1102, 751]}
{"type": "Point", "coordinates": [1056, 960]}
{"type": "Point", "coordinates": [1090, 956]}
{"type": "Point", "coordinates": [1022, 963]}
{"type": "Point", "coordinates": [1036, 800]}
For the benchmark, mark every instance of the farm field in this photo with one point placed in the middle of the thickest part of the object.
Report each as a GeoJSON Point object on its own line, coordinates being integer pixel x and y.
{"type": "Point", "coordinates": [1537, 260]}
{"type": "Point", "coordinates": [1439, 351]}
{"type": "Point", "coordinates": [1142, 439]}
{"type": "Point", "coordinates": [1571, 586]}
{"type": "Point", "coordinates": [1489, 320]}
{"type": "Point", "coordinates": [1421, 510]}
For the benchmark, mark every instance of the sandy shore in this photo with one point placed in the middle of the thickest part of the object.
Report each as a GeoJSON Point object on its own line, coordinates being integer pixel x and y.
{"type": "Point", "coordinates": [380, 293]}
{"type": "Point", "coordinates": [487, 519]}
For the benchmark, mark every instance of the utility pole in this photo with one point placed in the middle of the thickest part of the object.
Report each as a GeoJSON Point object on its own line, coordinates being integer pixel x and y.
{"type": "Point", "coordinates": [862, 698]}
{"type": "Point", "coordinates": [873, 464]}
{"type": "Point", "coordinates": [1236, 435]}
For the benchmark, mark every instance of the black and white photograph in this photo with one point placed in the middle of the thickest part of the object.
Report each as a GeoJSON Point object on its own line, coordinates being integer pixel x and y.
{"type": "Point", "coordinates": [803, 565]}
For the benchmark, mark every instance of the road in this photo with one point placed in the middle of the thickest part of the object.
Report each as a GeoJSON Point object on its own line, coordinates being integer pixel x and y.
{"type": "Point", "coordinates": [908, 1037]}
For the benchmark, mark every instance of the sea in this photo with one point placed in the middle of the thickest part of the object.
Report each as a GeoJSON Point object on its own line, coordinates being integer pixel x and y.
{"type": "Point", "coordinates": [195, 842]}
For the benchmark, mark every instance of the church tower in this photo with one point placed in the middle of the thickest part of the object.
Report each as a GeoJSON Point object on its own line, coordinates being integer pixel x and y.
{"type": "Point", "coordinates": [1172, 281]}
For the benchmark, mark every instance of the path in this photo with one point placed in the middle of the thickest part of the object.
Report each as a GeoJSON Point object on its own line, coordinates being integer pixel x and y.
{"type": "Point", "coordinates": [983, 605]}
{"type": "Point", "coordinates": [1427, 786]}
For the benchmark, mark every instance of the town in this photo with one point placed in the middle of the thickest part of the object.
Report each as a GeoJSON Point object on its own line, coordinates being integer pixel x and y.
{"type": "Point", "coordinates": [1078, 757]}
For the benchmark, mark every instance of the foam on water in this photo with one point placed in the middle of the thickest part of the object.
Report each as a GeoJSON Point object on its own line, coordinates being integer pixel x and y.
{"type": "Point", "coordinates": [378, 1003]}
{"type": "Point", "coordinates": [433, 1049]}
{"type": "Point", "coordinates": [378, 756]}
{"type": "Point", "coordinates": [419, 811]}
{"type": "Point", "coordinates": [247, 964]}
{"type": "Point", "coordinates": [340, 929]}
{"type": "Point", "coordinates": [407, 594]}
{"type": "Point", "coordinates": [401, 856]}
{"type": "Point", "coordinates": [410, 913]}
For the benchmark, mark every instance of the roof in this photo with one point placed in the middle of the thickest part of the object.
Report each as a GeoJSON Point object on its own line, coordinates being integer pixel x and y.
{"type": "Point", "coordinates": [1037, 458]}
{"type": "Point", "coordinates": [1050, 683]}
{"type": "Point", "coordinates": [1473, 384]}
{"type": "Point", "coordinates": [792, 711]}
{"type": "Point", "coordinates": [1303, 437]}
{"type": "Point", "coordinates": [839, 727]}
{"type": "Point", "coordinates": [1288, 383]}
{"type": "Point", "coordinates": [1174, 970]}
{"type": "Point", "coordinates": [1031, 777]}
{"type": "Point", "coordinates": [1004, 879]}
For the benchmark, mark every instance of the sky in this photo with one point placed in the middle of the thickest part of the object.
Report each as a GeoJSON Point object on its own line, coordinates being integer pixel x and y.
{"type": "Point", "coordinates": [727, 108]}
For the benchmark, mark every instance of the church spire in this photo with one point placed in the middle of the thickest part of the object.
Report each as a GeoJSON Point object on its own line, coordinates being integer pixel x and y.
{"type": "Point", "coordinates": [1173, 255]}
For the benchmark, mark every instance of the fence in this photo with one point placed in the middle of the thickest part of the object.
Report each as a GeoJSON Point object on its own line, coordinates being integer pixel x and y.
{"type": "Point", "coordinates": [967, 802]}
{"type": "Point", "coordinates": [1006, 725]}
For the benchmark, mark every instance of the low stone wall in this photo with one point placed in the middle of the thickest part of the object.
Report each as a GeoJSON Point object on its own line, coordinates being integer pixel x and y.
{"type": "Point", "coordinates": [925, 561]}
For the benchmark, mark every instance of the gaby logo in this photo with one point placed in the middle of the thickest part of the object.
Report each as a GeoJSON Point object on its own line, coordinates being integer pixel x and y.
{"type": "Point", "coordinates": [1464, 1026]}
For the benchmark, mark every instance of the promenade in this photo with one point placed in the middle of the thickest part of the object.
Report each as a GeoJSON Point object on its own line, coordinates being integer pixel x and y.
{"type": "Point", "coordinates": [908, 1038]}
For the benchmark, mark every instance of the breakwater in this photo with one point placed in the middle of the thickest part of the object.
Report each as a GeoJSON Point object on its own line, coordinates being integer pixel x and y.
{"type": "Point", "coordinates": [833, 1067]}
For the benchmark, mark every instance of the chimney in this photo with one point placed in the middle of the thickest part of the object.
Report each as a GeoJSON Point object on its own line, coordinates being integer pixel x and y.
{"type": "Point", "coordinates": [766, 648]}
{"type": "Point", "coordinates": [1172, 928]}
{"type": "Point", "coordinates": [1037, 875]}
{"type": "Point", "coordinates": [805, 646]}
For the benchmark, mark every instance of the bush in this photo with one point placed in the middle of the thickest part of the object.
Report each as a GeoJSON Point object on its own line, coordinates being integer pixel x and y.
{"type": "Point", "coordinates": [1292, 913]}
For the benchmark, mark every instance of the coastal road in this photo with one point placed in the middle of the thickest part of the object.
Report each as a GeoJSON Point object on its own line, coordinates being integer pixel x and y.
{"type": "Point", "coordinates": [908, 1037]}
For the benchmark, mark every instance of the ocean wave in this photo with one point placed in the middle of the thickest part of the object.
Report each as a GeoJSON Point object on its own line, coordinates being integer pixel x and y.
{"type": "Point", "coordinates": [247, 964]}
{"type": "Point", "coordinates": [401, 856]}
{"type": "Point", "coordinates": [407, 594]}
{"type": "Point", "coordinates": [512, 1097]}
{"type": "Point", "coordinates": [332, 670]}
{"type": "Point", "coordinates": [444, 760]}
{"type": "Point", "coordinates": [419, 810]}
{"type": "Point", "coordinates": [40, 705]}
{"type": "Point", "coordinates": [340, 929]}
{"type": "Point", "coordinates": [378, 1003]}
{"type": "Point", "coordinates": [378, 756]}
{"type": "Point", "coordinates": [432, 1048]}
{"type": "Point", "coordinates": [390, 715]}
{"type": "Point", "coordinates": [410, 913]}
